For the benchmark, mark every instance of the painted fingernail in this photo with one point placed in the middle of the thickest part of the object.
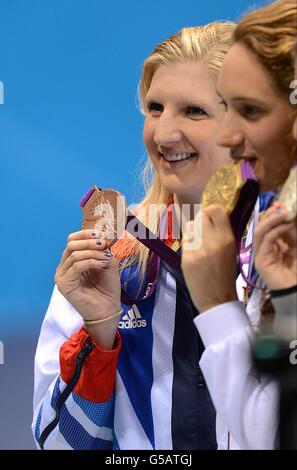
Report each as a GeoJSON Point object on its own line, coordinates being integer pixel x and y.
{"type": "Point", "coordinates": [108, 255]}
{"type": "Point", "coordinates": [94, 234]}
{"type": "Point", "coordinates": [99, 243]}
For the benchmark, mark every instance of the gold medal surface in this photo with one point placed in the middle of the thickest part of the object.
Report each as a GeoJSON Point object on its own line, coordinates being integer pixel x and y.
{"type": "Point", "coordinates": [223, 187]}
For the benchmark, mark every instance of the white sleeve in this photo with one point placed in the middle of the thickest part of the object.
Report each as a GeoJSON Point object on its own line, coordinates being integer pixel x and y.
{"type": "Point", "coordinates": [60, 322]}
{"type": "Point", "coordinates": [246, 403]}
{"type": "Point", "coordinates": [78, 424]}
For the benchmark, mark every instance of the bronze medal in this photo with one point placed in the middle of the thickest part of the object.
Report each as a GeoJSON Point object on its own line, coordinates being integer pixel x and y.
{"type": "Point", "coordinates": [105, 211]}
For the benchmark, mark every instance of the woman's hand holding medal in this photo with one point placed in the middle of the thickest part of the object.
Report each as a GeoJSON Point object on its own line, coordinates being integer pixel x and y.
{"type": "Point", "coordinates": [210, 271]}
{"type": "Point", "coordinates": [275, 248]}
{"type": "Point", "coordinates": [88, 277]}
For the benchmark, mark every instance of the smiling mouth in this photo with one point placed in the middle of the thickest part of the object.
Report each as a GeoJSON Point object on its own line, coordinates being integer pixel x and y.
{"type": "Point", "coordinates": [177, 157]}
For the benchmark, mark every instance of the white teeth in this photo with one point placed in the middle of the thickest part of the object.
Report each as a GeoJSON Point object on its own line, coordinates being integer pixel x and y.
{"type": "Point", "coordinates": [177, 156]}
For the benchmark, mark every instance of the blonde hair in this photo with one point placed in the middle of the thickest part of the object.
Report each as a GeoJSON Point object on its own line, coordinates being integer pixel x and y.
{"type": "Point", "coordinates": [209, 43]}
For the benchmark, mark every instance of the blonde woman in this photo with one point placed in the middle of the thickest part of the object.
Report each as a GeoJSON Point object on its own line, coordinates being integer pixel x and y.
{"type": "Point", "coordinates": [254, 84]}
{"type": "Point", "coordinates": [131, 379]}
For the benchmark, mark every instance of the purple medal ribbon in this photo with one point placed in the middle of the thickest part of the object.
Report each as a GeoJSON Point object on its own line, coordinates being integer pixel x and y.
{"type": "Point", "coordinates": [246, 202]}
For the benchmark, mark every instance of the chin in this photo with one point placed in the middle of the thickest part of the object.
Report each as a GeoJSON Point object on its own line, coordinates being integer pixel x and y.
{"type": "Point", "coordinates": [178, 182]}
{"type": "Point", "coordinates": [269, 185]}
{"type": "Point", "coordinates": [171, 188]}
{"type": "Point", "coordinates": [173, 185]}
{"type": "Point", "coordinates": [191, 195]}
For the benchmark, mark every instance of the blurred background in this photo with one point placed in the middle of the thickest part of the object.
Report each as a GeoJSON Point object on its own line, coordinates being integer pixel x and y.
{"type": "Point", "coordinates": [69, 71]}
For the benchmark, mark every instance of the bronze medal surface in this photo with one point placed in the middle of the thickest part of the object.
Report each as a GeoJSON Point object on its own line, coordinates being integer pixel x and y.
{"type": "Point", "coordinates": [106, 212]}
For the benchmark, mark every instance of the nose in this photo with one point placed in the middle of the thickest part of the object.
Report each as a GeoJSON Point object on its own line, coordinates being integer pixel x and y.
{"type": "Point", "coordinates": [229, 134]}
{"type": "Point", "coordinates": [167, 132]}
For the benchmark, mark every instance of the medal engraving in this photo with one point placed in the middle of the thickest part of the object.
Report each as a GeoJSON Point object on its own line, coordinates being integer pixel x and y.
{"type": "Point", "coordinates": [223, 187]}
{"type": "Point", "coordinates": [235, 187]}
{"type": "Point", "coordinates": [105, 211]}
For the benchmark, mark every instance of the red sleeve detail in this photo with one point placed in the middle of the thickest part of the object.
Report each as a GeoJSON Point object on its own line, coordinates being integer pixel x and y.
{"type": "Point", "coordinates": [97, 379]}
{"type": "Point", "coordinates": [169, 240]}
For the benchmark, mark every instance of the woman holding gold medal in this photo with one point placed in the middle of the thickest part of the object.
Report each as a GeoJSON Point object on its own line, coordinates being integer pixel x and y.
{"type": "Point", "coordinates": [254, 84]}
{"type": "Point", "coordinates": [109, 375]}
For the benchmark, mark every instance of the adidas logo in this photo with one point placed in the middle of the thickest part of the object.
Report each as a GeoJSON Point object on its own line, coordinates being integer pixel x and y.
{"type": "Point", "coordinates": [132, 319]}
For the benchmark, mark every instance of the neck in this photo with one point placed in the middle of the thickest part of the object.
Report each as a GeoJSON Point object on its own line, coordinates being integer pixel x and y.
{"type": "Point", "coordinates": [187, 204]}
{"type": "Point", "coordinates": [185, 209]}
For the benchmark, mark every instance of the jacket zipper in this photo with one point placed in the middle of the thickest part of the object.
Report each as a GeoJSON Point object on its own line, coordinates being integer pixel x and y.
{"type": "Point", "coordinates": [200, 382]}
{"type": "Point", "coordinates": [80, 359]}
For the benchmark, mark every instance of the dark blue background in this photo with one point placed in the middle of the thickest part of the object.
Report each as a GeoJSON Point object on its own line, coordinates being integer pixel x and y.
{"type": "Point", "coordinates": [70, 70]}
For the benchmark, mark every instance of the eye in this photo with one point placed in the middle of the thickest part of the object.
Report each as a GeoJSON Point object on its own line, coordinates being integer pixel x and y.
{"type": "Point", "coordinates": [155, 108]}
{"type": "Point", "coordinates": [249, 112]}
{"type": "Point", "coordinates": [195, 111]}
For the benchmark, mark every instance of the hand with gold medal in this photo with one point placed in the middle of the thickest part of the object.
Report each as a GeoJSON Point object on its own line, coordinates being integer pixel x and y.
{"type": "Point", "coordinates": [227, 203]}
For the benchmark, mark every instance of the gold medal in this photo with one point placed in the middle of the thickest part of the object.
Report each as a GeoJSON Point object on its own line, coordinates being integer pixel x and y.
{"type": "Point", "coordinates": [223, 187]}
{"type": "Point", "coordinates": [235, 187]}
{"type": "Point", "coordinates": [288, 194]}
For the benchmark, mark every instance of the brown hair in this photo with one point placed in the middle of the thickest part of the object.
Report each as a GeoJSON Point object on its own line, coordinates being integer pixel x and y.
{"type": "Point", "coordinates": [270, 33]}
